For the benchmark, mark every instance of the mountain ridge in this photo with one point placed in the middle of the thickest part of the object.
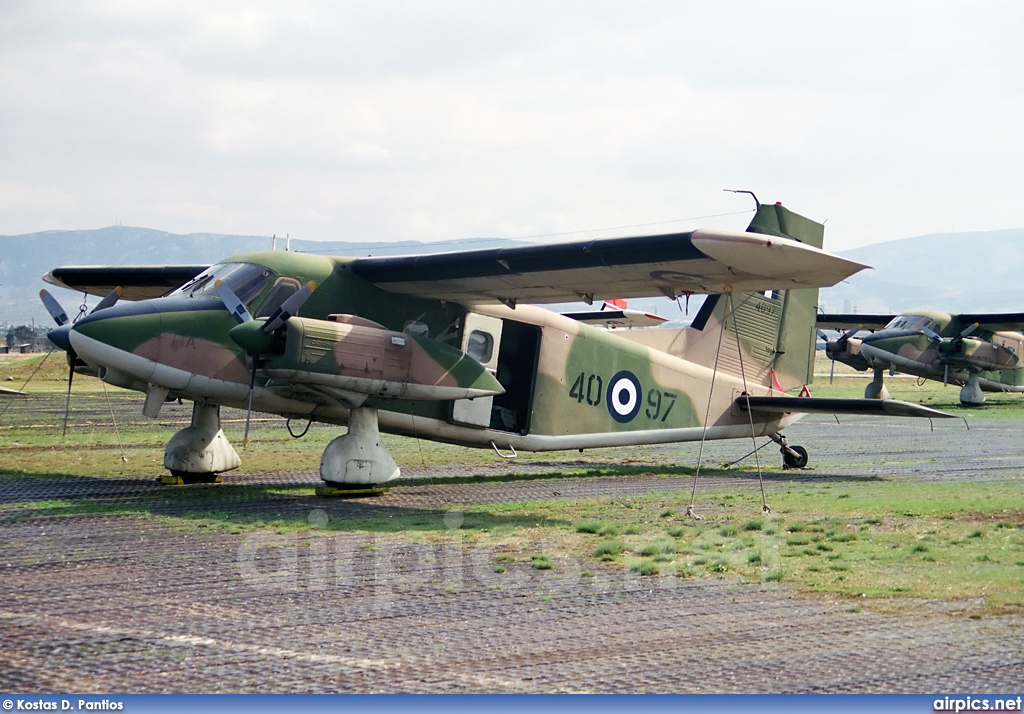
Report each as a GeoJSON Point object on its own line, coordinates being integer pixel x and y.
{"type": "Point", "coordinates": [927, 271]}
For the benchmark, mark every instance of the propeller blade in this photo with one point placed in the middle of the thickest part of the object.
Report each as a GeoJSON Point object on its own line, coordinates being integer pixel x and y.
{"type": "Point", "coordinates": [932, 334]}
{"type": "Point", "coordinates": [248, 413]}
{"type": "Point", "coordinates": [111, 298]}
{"type": "Point", "coordinates": [945, 374]}
{"type": "Point", "coordinates": [232, 303]}
{"type": "Point", "coordinates": [832, 372]}
{"type": "Point", "coordinates": [289, 307]}
{"type": "Point", "coordinates": [53, 307]}
{"type": "Point", "coordinates": [848, 335]}
{"type": "Point", "coordinates": [67, 404]}
{"type": "Point", "coordinates": [969, 329]}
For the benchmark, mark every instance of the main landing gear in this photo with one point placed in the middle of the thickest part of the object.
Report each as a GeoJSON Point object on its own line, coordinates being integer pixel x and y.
{"type": "Point", "coordinates": [200, 453]}
{"type": "Point", "coordinates": [793, 457]}
{"type": "Point", "coordinates": [876, 389]}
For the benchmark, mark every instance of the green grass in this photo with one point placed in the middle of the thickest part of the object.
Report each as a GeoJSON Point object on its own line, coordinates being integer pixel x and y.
{"type": "Point", "coordinates": [871, 538]}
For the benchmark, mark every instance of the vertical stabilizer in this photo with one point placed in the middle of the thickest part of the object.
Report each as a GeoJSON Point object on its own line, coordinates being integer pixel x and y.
{"type": "Point", "coordinates": [776, 329]}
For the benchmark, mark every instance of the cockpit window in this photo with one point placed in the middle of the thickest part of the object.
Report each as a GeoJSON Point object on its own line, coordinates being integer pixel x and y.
{"type": "Point", "coordinates": [912, 323]}
{"type": "Point", "coordinates": [245, 279]}
{"type": "Point", "coordinates": [285, 288]}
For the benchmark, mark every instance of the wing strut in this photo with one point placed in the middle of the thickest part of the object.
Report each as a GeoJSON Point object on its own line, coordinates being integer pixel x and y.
{"type": "Point", "coordinates": [707, 416]}
{"type": "Point", "coordinates": [743, 374]}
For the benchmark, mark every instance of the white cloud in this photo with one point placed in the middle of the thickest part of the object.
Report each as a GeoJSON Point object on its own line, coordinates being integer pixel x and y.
{"type": "Point", "coordinates": [454, 119]}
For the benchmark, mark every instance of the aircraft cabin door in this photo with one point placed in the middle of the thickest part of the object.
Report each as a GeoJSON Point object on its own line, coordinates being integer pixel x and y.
{"type": "Point", "coordinates": [481, 338]}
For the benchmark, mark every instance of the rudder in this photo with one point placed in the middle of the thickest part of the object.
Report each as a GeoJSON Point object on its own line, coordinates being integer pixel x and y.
{"type": "Point", "coordinates": [776, 328]}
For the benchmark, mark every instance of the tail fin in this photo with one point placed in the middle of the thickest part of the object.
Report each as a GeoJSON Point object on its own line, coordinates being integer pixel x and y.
{"type": "Point", "coordinates": [776, 328]}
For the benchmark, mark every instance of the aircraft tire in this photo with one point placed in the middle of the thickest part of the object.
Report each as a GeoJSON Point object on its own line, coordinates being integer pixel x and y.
{"type": "Point", "coordinates": [189, 478]}
{"type": "Point", "coordinates": [795, 462]}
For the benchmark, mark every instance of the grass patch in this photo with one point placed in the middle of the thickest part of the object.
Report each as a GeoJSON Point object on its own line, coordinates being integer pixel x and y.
{"type": "Point", "coordinates": [660, 547]}
{"type": "Point", "coordinates": [542, 562]}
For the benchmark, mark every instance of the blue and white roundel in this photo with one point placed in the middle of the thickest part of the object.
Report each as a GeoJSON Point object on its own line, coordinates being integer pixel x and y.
{"type": "Point", "coordinates": [624, 396]}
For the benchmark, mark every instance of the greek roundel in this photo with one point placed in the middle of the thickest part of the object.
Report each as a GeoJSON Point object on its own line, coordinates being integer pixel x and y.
{"type": "Point", "coordinates": [623, 397]}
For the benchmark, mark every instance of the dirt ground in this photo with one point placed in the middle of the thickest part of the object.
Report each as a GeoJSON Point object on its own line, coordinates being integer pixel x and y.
{"type": "Point", "coordinates": [101, 602]}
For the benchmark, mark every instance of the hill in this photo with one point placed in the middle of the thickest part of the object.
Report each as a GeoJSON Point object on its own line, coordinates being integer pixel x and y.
{"type": "Point", "coordinates": [950, 271]}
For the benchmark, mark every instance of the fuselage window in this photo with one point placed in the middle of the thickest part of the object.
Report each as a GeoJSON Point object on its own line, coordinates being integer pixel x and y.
{"type": "Point", "coordinates": [480, 346]}
{"type": "Point", "coordinates": [416, 328]}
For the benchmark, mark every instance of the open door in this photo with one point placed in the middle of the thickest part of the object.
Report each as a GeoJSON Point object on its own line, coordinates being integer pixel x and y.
{"type": "Point", "coordinates": [481, 338]}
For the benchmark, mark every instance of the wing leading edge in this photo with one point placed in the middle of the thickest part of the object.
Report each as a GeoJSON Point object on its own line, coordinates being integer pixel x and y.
{"type": "Point", "coordinates": [138, 282]}
{"type": "Point", "coordinates": [701, 261]}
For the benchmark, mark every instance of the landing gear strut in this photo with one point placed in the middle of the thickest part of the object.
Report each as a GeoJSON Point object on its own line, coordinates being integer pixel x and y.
{"type": "Point", "coordinates": [198, 453]}
{"type": "Point", "coordinates": [876, 390]}
{"type": "Point", "coordinates": [971, 394]}
{"type": "Point", "coordinates": [358, 458]}
{"type": "Point", "coordinates": [793, 457]}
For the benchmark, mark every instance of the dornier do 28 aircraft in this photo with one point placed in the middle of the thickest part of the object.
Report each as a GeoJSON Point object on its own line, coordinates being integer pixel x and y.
{"type": "Point", "coordinates": [445, 346]}
{"type": "Point", "coordinates": [980, 352]}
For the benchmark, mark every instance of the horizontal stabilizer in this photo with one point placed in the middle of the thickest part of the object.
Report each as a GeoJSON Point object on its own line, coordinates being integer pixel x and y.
{"type": "Point", "coordinates": [4, 392]}
{"type": "Point", "coordinates": [825, 405]}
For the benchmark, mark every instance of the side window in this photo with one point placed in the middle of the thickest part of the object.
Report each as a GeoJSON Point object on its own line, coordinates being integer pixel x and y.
{"type": "Point", "coordinates": [282, 290]}
{"type": "Point", "coordinates": [416, 328]}
{"type": "Point", "coordinates": [480, 346]}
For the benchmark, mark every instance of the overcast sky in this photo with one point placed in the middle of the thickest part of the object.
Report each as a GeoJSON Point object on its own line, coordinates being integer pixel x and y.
{"type": "Point", "coordinates": [441, 120]}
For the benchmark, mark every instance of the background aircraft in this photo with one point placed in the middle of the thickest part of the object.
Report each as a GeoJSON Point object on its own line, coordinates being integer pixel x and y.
{"type": "Point", "coordinates": [443, 347]}
{"type": "Point", "coordinates": [979, 351]}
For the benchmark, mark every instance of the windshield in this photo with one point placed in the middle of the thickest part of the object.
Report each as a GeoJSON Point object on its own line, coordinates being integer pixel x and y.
{"type": "Point", "coordinates": [912, 323]}
{"type": "Point", "coordinates": [245, 279]}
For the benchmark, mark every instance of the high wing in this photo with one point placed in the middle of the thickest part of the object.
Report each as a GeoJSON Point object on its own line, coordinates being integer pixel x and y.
{"type": "Point", "coordinates": [702, 261]}
{"type": "Point", "coordinates": [994, 321]}
{"type": "Point", "coordinates": [617, 318]}
{"type": "Point", "coordinates": [849, 320]}
{"type": "Point", "coordinates": [138, 282]}
{"type": "Point", "coordinates": [826, 405]}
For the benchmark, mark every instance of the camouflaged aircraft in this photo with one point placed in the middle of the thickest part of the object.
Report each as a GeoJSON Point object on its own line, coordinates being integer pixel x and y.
{"type": "Point", "coordinates": [453, 347]}
{"type": "Point", "coordinates": [977, 351]}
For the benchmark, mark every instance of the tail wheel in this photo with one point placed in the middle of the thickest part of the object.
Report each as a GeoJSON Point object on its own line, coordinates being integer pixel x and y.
{"type": "Point", "coordinates": [796, 460]}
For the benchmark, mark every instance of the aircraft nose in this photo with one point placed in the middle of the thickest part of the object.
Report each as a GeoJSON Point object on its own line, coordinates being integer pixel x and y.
{"type": "Point", "coordinates": [122, 326]}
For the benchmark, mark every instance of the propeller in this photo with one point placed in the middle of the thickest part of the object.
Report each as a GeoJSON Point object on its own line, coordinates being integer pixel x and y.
{"type": "Point", "coordinates": [949, 346]}
{"type": "Point", "coordinates": [257, 337]}
{"type": "Point", "coordinates": [53, 307]}
{"type": "Point", "coordinates": [837, 345]}
{"type": "Point", "coordinates": [232, 303]}
{"type": "Point", "coordinates": [60, 336]}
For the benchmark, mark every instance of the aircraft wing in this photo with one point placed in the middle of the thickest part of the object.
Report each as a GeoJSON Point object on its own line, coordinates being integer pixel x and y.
{"type": "Point", "coordinates": [994, 321]}
{"type": "Point", "coordinates": [826, 405]}
{"type": "Point", "coordinates": [139, 282]}
{"type": "Point", "coordinates": [701, 261]}
{"type": "Point", "coordinates": [849, 320]}
{"type": "Point", "coordinates": [617, 318]}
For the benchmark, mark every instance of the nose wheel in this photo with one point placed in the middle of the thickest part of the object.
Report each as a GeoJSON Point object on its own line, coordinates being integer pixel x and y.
{"type": "Point", "coordinates": [793, 457]}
